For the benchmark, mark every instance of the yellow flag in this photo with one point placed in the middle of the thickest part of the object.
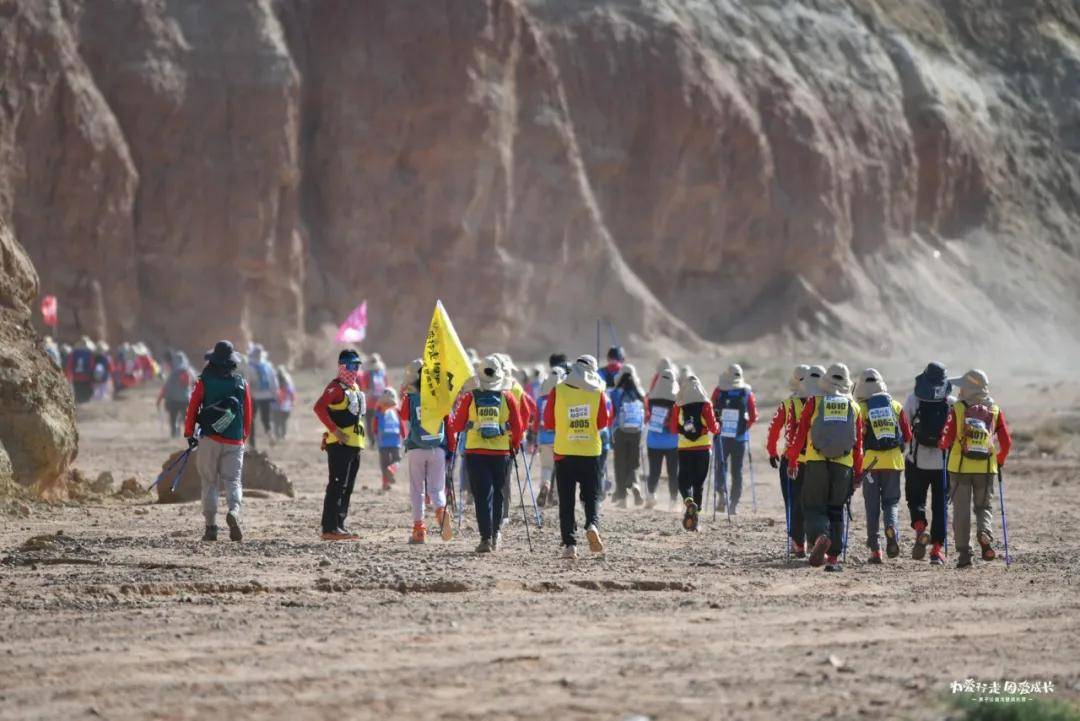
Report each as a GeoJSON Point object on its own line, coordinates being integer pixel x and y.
{"type": "Point", "coordinates": [446, 368]}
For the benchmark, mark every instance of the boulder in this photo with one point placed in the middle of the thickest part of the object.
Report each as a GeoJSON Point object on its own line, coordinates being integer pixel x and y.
{"type": "Point", "coordinates": [260, 473]}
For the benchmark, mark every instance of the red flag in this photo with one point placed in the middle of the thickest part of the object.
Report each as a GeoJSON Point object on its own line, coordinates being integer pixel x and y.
{"type": "Point", "coordinates": [354, 329]}
{"type": "Point", "coordinates": [48, 310]}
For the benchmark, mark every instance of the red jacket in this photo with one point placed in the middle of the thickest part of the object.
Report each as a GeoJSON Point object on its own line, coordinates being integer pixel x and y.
{"type": "Point", "coordinates": [331, 395]}
{"type": "Point", "coordinates": [1004, 438]}
{"type": "Point", "coordinates": [803, 432]}
{"type": "Point", "coordinates": [193, 412]}
{"type": "Point", "coordinates": [603, 414]}
{"type": "Point", "coordinates": [781, 420]}
{"type": "Point", "coordinates": [707, 414]}
{"type": "Point", "coordinates": [460, 420]}
{"type": "Point", "coordinates": [186, 379]}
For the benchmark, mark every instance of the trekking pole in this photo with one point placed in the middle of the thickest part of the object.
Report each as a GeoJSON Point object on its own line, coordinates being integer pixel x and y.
{"type": "Point", "coordinates": [711, 488]}
{"type": "Point", "coordinates": [945, 500]}
{"type": "Point", "coordinates": [1004, 523]}
{"type": "Point", "coordinates": [753, 493]}
{"type": "Point", "coordinates": [180, 461]}
{"type": "Point", "coordinates": [788, 500]}
{"type": "Point", "coordinates": [532, 492]}
{"type": "Point", "coordinates": [451, 494]}
{"type": "Point", "coordinates": [847, 524]}
{"type": "Point", "coordinates": [460, 501]}
{"type": "Point", "coordinates": [521, 499]}
{"type": "Point", "coordinates": [723, 472]}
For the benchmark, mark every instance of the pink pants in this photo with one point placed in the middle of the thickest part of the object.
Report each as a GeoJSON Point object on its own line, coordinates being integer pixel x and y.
{"type": "Point", "coordinates": [427, 474]}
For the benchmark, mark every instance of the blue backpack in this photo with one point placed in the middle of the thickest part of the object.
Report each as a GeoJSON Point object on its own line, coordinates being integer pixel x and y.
{"type": "Point", "coordinates": [631, 416]}
{"type": "Point", "coordinates": [486, 400]}
{"type": "Point", "coordinates": [390, 429]}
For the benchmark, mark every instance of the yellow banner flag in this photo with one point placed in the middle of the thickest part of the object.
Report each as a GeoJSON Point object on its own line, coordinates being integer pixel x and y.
{"type": "Point", "coordinates": [446, 368]}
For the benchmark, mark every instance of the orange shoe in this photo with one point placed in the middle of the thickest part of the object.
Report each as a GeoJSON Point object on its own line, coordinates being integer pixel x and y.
{"type": "Point", "coordinates": [419, 533]}
{"type": "Point", "coordinates": [445, 522]}
{"type": "Point", "coordinates": [336, 536]}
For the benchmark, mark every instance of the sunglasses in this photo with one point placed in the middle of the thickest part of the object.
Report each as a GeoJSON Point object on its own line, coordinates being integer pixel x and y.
{"type": "Point", "coordinates": [351, 365]}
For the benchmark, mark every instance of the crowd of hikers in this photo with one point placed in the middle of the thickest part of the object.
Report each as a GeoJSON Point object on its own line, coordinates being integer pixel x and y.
{"type": "Point", "coordinates": [831, 437]}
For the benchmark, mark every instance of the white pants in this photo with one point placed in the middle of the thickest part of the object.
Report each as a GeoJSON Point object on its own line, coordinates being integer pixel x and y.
{"type": "Point", "coordinates": [427, 474]}
{"type": "Point", "coordinates": [221, 466]}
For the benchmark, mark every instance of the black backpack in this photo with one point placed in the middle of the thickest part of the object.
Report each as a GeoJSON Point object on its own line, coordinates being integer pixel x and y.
{"type": "Point", "coordinates": [691, 426]}
{"type": "Point", "coordinates": [929, 421]}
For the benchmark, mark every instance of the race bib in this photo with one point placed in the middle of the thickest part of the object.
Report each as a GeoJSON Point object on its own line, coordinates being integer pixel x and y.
{"type": "Point", "coordinates": [580, 423]}
{"type": "Point", "coordinates": [883, 423]}
{"type": "Point", "coordinates": [729, 422]}
{"type": "Point", "coordinates": [976, 438]}
{"type": "Point", "coordinates": [658, 419]}
{"type": "Point", "coordinates": [488, 417]}
{"type": "Point", "coordinates": [835, 409]}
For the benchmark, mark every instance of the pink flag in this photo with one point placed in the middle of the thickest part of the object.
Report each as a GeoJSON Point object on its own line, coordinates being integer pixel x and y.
{"type": "Point", "coordinates": [48, 310]}
{"type": "Point", "coordinates": [354, 328]}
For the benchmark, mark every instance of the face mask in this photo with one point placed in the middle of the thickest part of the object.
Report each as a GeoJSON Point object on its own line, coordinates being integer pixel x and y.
{"type": "Point", "coordinates": [347, 376]}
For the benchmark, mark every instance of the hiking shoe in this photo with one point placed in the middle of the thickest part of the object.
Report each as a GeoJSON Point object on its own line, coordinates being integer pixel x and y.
{"type": "Point", "coordinates": [593, 534]}
{"type": "Point", "coordinates": [496, 541]}
{"type": "Point", "coordinates": [875, 558]}
{"type": "Point", "coordinates": [963, 559]}
{"type": "Point", "coordinates": [335, 536]}
{"type": "Point", "coordinates": [892, 546]}
{"type": "Point", "coordinates": [832, 564]}
{"type": "Point", "coordinates": [419, 533]}
{"type": "Point", "coordinates": [235, 533]}
{"type": "Point", "coordinates": [346, 532]}
{"type": "Point", "coordinates": [817, 553]}
{"type": "Point", "coordinates": [484, 546]}
{"type": "Point", "coordinates": [650, 500]}
{"type": "Point", "coordinates": [542, 497]}
{"type": "Point", "coordinates": [922, 540]}
{"type": "Point", "coordinates": [689, 519]}
{"type": "Point", "coordinates": [638, 500]}
{"type": "Point", "coordinates": [799, 550]}
{"type": "Point", "coordinates": [210, 534]}
{"type": "Point", "coordinates": [937, 556]}
{"type": "Point", "coordinates": [988, 553]}
{"type": "Point", "coordinates": [569, 552]}
{"type": "Point", "coordinates": [445, 520]}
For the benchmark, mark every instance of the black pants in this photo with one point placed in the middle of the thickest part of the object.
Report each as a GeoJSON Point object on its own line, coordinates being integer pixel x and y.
{"type": "Point", "coordinates": [344, 462]}
{"type": "Point", "coordinates": [791, 488]}
{"type": "Point", "coordinates": [487, 478]}
{"type": "Point", "coordinates": [693, 470]}
{"type": "Point", "coordinates": [585, 472]}
{"type": "Point", "coordinates": [84, 391]}
{"type": "Point", "coordinates": [826, 489]}
{"type": "Point", "coordinates": [917, 482]}
{"type": "Point", "coordinates": [175, 412]}
{"type": "Point", "coordinates": [627, 448]}
{"type": "Point", "coordinates": [657, 457]}
{"type": "Point", "coordinates": [262, 410]}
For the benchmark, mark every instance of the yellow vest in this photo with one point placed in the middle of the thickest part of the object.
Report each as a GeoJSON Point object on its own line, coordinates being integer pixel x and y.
{"type": "Point", "coordinates": [339, 412]}
{"type": "Point", "coordinates": [793, 408]}
{"type": "Point", "coordinates": [891, 460]}
{"type": "Point", "coordinates": [810, 453]}
{"type": "Point", "coordinates": [957, 462]}
{"type": "Point", "coordinates": [576, 433]}
{"type": "Point", "coordinates": [703, 441]}
{"type": "Point", "coordinates": [488, 417]}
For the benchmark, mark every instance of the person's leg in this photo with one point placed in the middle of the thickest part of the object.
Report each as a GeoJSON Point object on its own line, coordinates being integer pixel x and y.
{"type": "Point", "coordinates": [435, 472]}
{"type": "Point", "coordinates": [206, 462]}
{"type": "Point", "coordinates": [798, 520]}
{"type": "Point", "coordinates": [815, 498]}
{"type": "Point", "coordinates": [982, 496]}
{"type": "Point", "coordinates": [672, 458]}
{"type": "Point", "coordinates": [587, 470]}
{"type": "Point", "coordinates": [785, 492]}
{"type": "Point", "coordinates": [720, 472]}
{"type": "Point", "coordinates": [655, 459]}
{"type": "Point", "coordinates": [624, 448]}
{"type": "Point", "coordinates": [686, 475]}
{"type": "Point", "coordinates": [481, 482]}
{"type": "Point", "coordinates": [265, 407]}
{"type": "Point", "coordinates": [915, 488]}
{"type": "Point", "coordinates": [890, 501]}
{"type": "Point", "coordinates": [871, 491]}
{"type": "Point", "coordinates": [500, 471]}
{"type": "Point", "coordinates": [564, 477]}
{"type": "Point", "coordinates": [735, 452]}
{"type": "Point", "coordinates": [839, 486]}
{"type": "Point", "coordinates": [417, 461]}
{"type": "Point", "coordinates": [231, 472]}
{"type": "Point", "coordinates": [353, 465]}
{"type": "Point", "coordinates": [938, 484]}
{"type": "Point", "coordinates": [961, 511]}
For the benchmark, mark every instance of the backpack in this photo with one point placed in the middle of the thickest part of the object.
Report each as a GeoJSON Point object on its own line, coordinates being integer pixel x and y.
{"type": "Point", "coordinates": [733, 404]}
{"type": "Point", "coordinates": [82, 365]}
{"type": "Point", "coordinates": [833, 429]}
{"type": "Point", "coordinates": [692, 426]}
{"type": "Point", "coordinates": [101, 369]}
{"type": "Point", "coordinates": [219, 416]}
{"type": "Point", "coordinates": [177, 386]}
{"type": "Point", "coordinates": [929, 421]}
{"type": "Point", "coordinates": [390, 428]}
{"type": "Point", "coordinates": [631, 416]}
{"type": "Point", "coordinates": [488, 411]}
{"type": "Point", "coordinates": [975, 435]}
{"type": "Point", "coordinates": [883, 424]}
{"type": "Point", "coordinates": [263, 371]}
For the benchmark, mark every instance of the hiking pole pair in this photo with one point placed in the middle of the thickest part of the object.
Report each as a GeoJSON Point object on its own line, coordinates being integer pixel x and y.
{"type": "Point", "coordinates": [788, 500]}
{"type": "Point", "coordinates": [182, 462]}
{"type": "Point", "coordinates": [532, 491]}
{"type": "Point", "coordinates": [945, 500]}
{"type": "Point", "coordinates": [521, 499]}
{"type": "Point", "coordinates": [1004, 523]}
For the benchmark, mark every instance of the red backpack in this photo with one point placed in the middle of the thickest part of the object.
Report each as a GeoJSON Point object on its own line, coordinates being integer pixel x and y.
{"type": "Point", "coordinates": [975, 435]}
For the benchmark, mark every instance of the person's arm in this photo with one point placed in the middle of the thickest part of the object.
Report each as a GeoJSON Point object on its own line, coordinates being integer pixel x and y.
{"type": "Point", "coordinates": [549, 412]}
{"type": "Point", "coordinates": [710, 419]}
{"type": "Point", "coordinates": [193, 409]}
{"type": "Point", "coordinates": [461, 413]}
{"type": "Point", "coordinates": [801, 433]}
{"type": "Point", "coordinates": [404, 413]}
{"type": "Point", "coordinates": [673, 418]}
{"type": "Point", "coordinates": [779, 420]}
{"type": "Point", "coordinates": [332, 394]}
{"type": "Point", "coordinates": [948, 433]}
{"type": "Point", "coordinates": [714, 398]}
{"type": "Point", "coordinates": [161, 394]}
{"type": "Point", "coordinates": [528, 406]}
{"type": "Point", "coordinates": [905, 428]}
{"type": "Point", "coordinates": [375, 424]}
{"type": "Point", "coordinates": [247, 411]}
{"type": "Point", "coordinates": [404, 426]}
{"type": "Point", "coordinates": [1004, 438]}
{"type": "Point", "coordinates": [517, 426]}
{"type": "Point", "coordinates": [857, 451]}
{"type": "Point", "coordinates": [603, 413]}
{"type": "Point", "coordinates": [751, 409]}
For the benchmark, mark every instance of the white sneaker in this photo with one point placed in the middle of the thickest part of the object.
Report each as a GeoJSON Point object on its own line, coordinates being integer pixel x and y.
{"type": "Point", "coordinates": [569, 552]}
{"type": "Point", "coordinates": [595, 544]}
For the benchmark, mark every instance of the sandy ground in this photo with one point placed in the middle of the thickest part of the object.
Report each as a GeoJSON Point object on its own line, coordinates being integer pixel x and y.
{"type": "Point", "coordinates": [125, 614]}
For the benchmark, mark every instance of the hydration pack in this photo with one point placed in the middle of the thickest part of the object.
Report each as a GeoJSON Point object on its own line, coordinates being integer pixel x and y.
{"type": "Point", "coordinates": [178, 385]}
{"type": "Point", "coordinates": [884, 426]}
{"type": "Point", "coordinates": [733, 407]}
{"type": "Point", "coordinates": [219, 416]}
{"type": "Point", "coordinates": [975, 435]}
{"type": "Point", "coordinates": [390, 429]}
{"type": "Point", "coordinates": [833, 429]}
{"type": "Point", "coordinates": [929, 421]}
{"type": "Point", "coordinates": [631, 416]}
{"type": "Point", "coordinates": [263, 371]}
{"type": "Point", "coordinates": [488, 405]}
{"type": "Point", "coordinates": [82, 365]}
{"type": "Point", "coordinates": [691, 424]}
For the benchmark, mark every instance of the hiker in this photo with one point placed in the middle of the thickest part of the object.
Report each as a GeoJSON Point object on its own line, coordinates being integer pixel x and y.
{"type": "Point", "coordinates": [694, 420]}
{"type": "Point", "coordinates": [734, 403]}
{"type": "Point", "coordinates": [545, 440]}
{"type": "Point", "coordinates": [628, 407]}
{"type": "Point", "coordinates": [665, 364]}
{"type": "Point", "coordinates": [148, 368]}
{"type": "Point", "coordinates": [80, 370]}
{"type": "Point", "coordinates": [388, 430]}
{"type": "Point", "coordinates": [661, 444]}
{"type": "Point", "coordinates": [373, 382]}
{"type": "Point", "coordinates": [490, 417]}
{"type": "Point", "coordinates": [828, 452]}
{"type": "Point", "coordinates": [264, 389]}
{"type": "Point", "coordinates": [221, 405]}
{"type": "Point", "coordinates": [341, 408]}
{"type": "Point", "coordinates": [103, 372]}
{"type": "Point", "coordinates": [175, 392]}
{"type": "Point", "coordinates": [978, 442]}
{"type": "Point", "coordinates": [924, 468]}
{"type": "Point", "coordinates": [886, 433]}
{"type": "Point", "coordinates": [577, 410]}
{"type": "Point", "coordinates": [616, 356]}
{"type": "Point", "coordinates": [425, 457]}
{"type": "Point", "coordinates": [537, 376]}
{"type": "Point", "coordinates": [126, 371]}
{"type": "Point", "coordinates": [283, 404]}
{"type": "Point", "coordinates": [785, 420]}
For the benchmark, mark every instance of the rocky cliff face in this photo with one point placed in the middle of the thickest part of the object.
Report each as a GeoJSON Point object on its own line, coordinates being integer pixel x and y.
{"type": "Point", "coordinates": [707, 171]}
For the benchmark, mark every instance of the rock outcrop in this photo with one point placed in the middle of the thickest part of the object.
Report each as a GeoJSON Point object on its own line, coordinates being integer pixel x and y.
{"type": "Point", "coordinates": [705, 172]}
{"type": "Point", "coordinates": [259, 473]}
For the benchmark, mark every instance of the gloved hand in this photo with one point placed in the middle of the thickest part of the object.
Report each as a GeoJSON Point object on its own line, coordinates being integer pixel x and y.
{"type": "Point", "coordinates": [774, 461]}
{"type": "Point", "coordinates": [793, 470]}
{"type": "Point", "coordinates": [192, 442]}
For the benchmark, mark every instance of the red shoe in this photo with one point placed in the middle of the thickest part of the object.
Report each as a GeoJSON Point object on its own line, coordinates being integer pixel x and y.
{"type": "Point", "coordinates": [937, 556]}
{"type": "Point", "coordinates": [336, 536]}
{"type": "Point", "coordinates": [799, 550]}
{"type": "Point", "coordinates": [875, 558]}
{"type": "Point", "coordinates": [922, 539]}
{"type": "Point", "coordinates": [832, 564]}
{"type": "Point", "coordinates": [817, 553]}
{"type": "Point", "coordinates": [419, 533]}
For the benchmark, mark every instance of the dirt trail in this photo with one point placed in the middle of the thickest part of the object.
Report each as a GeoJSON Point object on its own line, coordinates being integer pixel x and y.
{"type": "Point", "coordinates": [127, 615]}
